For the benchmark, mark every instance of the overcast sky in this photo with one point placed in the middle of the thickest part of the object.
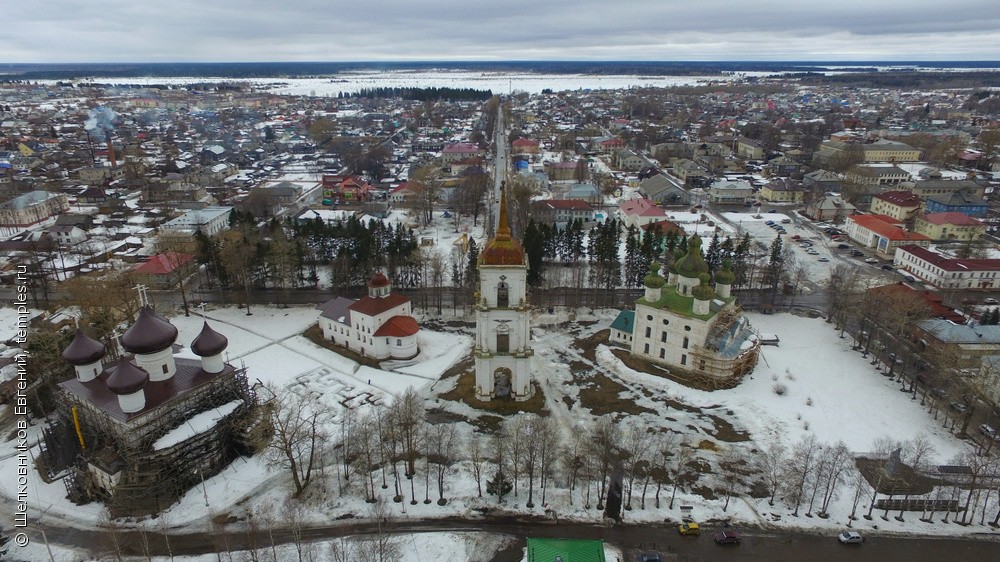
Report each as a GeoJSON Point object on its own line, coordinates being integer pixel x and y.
{"type": "Point", "coordinates": [399, 30]}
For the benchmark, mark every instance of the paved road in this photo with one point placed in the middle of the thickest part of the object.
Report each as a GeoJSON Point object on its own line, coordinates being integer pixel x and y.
{"type": "Point", "coordinates": [758, 544]}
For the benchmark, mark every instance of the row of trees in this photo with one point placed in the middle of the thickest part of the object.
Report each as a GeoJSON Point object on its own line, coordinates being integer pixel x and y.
{"type": "Point", "coordinates": [600, 249]}
{"type": "Point", "coordinates": [610, 466]}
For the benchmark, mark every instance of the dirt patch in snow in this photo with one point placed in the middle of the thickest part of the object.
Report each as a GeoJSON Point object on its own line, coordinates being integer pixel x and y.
{"type": "Point", "coordinates": [602, 395]}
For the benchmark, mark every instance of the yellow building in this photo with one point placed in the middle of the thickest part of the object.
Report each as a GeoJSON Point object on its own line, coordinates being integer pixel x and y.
{"type": "Point", "coordinates": [780, 191]}
{"type": "Point", "coordinates": [900, 205]}
{"type": "Point", "coordinates": [890, 151]}
{"type": "Point", "coordinates": [950, 226]}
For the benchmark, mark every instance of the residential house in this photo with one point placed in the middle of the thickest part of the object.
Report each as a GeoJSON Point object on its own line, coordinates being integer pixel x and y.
{"type": "Point", "coordinates": [884, 150]}
{"type": "Point", "coordinates": [823, 181]}
{"type": "Point", "coordinates": [523, 146]}
{"type": "Point", "coordinates": [628, 160]}
{"type": "Point", "coordinates": [943, 272]}
{"type": "Point", "coordinates": [460, 151]}
{"type": "Point", "coordinates": [637, 212]}
{"type": "Point", "coordinates": [730, 192]}
{"type": "Point", "coordinates": [688, 171]}
{"type": "Point", "coordinates": [832, 208]}
{"type": "Point", "coordinates": [749, 149]}
{"type": "Point", "coordinates": [900, 205]}
{"type": "Point", "coordinates": [210, 221]}
{"type": "Point", "coordinates": [66, 235]}
{"type": "Point", "coordinates": [584, 192]}
{"type": "Point", "coordinates": [661, 190]}
{"type": "Point", "coordinates": [785, 167]}
{"type": "Point", "coordinates": [958, 202]}
{"type": "Point", "coordinates": [965, 345]}
{"type": "Point", "coordinates": [165, 270]}
{"type": "Point", "coordinates": [31, 208]}
{"type": "Point", "coordinates": [558, 212]}
{"type": "Point", "coordinates": [882, 234]}
{"type": "Point", "coordinates": [560, 171]}
{"type": "Point", "coordinates": [949, 226]}
{"type": "Point", "coordinates": [877, 175]}
{"type": "Point", "coordinates": [934, 186]}
{"type": "Point", "coordinates": [782, 190]}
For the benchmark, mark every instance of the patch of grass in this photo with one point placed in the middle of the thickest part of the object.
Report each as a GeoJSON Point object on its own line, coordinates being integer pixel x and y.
{"type": "Point", "coordinates": [315, 334]}
{"type": "Point", "coordinates": [588, 346]}
{"type": "Point", "coordinates": [706, 445]}
{"type": "Point", "coordinates": [466, 387]}
{"type": "Point", "coordinates": [601, 396]}
{"type": "Point", "coordinates": [724, 431]}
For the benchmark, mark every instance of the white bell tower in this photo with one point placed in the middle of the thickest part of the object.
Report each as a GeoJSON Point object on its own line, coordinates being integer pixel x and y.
{"type": "Point", "coordinates": [503, 332]}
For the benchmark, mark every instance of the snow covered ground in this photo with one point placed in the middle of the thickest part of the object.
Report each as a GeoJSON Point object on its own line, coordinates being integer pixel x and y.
{"type": "Point", "coordinates": [831, 392]}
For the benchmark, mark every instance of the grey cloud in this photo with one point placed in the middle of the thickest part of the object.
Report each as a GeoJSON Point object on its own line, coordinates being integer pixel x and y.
{"type": "Point", "coordinates": [248, 30]}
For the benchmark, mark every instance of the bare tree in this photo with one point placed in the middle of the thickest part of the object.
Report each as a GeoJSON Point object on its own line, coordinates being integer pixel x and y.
{"type": "Point", "coordinates": [801, 466]}
{"type": "Point", "coordinates": [635, 448]}
{"type": "Point", "coordinates": [441, 453]}
{"type": "Point", "coordinates": [476, 459]}
{"type": "Point", "coordinates": [838, 460]}
{"type": "Point", "coordinates": [681, 458]}
{"type": "Point", "coordinates": [298, 434]}
{"type": "Point", "coordinates": [733, 466]}
{"type": "Point", "coordinates": [771, 464]}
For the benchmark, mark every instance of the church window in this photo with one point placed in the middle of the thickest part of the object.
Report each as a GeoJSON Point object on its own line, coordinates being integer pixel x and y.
{"type": "Point", "coordinates": [666, 322]}
{"type": "Point", "coordinates": [663, 337]}
{"type": "Point", "coordinates": [503, 343]}
{"type": "Point", "coordinates": [503, 295]}
{"type": "Point", "coordinates": [386, 341]}
{"type": "Point", "coordinates": [685, 346]}
{"type": "Point", "coordinates": [165, 369]}
{"type": "Point", "coordinates": [687, 328]}
{"type": "Point", "coordinates": [649, 317]}
{"type": "Point", "coordinates": [684, 359]}
{"type": "Point", "coordinates": [398, 341]}
{"type": "Point", "coordinates": [649, 331]}
{"type": "Point", "coordinates": [646, 348]}
{"type": "Point", "coordinates": [662, 352]}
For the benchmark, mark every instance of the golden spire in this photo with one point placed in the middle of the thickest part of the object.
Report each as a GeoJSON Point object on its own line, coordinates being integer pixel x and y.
{"type": "Point", "coordinates": [503, 226]}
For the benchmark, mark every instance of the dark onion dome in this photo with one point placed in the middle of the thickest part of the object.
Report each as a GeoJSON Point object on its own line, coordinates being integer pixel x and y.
{"type": "Point", "coordinates": [150, 333]}
{"type": "Point", "coordinates": [703, 291]}
{"type": "Point", "coordinates": [127, 378]}
{"type": "Point", "coordinates": [653, 279]}
{"type": "Point", "coordinates": [726, 275]}
{"type": "Point", "coordinates": [502, 249]}
{"type": "Point", "coordinates": [83, 350]}
{"type": "Point", "coordinates": [209, 342]}
{"type": "Point", "coordinates": [692, 265]}
{"type": "Point", "coordinates": [379, 280]}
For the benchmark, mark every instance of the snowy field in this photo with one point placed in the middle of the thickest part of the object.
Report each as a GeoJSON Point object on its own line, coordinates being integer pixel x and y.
{"type": "Point", "coordinates": [497, 82]}
{"type": "Point", "coordinates": [832, 393]}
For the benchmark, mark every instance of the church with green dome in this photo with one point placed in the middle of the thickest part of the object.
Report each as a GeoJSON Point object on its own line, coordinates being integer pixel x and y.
{"type": "Point", "coordinates": [690, 325]}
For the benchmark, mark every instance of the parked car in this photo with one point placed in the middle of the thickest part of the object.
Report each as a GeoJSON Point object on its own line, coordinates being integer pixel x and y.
{"type": "Point", "coordinates": [959, 407]}
{"type": "Point", "coordinates": [991, 300]}
{"type": "Point", "coordinates": [909, 279]}
{"type": "Point", "coordinates": [850, 537]}
{"type": "Point", "coordinates": [843, 246]}
{"type": "Point", "coordinates": [728, 536]}
{"type": "Point", "coordinates": [786, 221]}
{"type": "Point", "coordinates": [887, 267]}
{"type": "Point", "coordinates": [796, 237]}
{"type": "Point", "coordinates": [689, 529]}
{"type": "Point", "coordinates": [857, 253]}
{"type": "Point", "coordinates": [824, 259]}
{"type": "Point", "coordinates": [648, 557]}
{"type": "Point", "coordinates": [769, 223]}
{"type": "Point", "coordinates": [988, 431]}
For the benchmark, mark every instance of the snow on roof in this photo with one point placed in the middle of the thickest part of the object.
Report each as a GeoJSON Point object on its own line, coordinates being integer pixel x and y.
{"type": "Point", "coordinates": [196, 425]}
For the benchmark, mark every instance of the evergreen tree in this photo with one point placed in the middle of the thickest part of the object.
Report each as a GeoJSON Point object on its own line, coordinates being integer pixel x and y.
{"type": "Point", "coordinates": [471, 267]}
{"type": "Point", "coordinates": [713, 255]}
{"type": "Point", "coordinates": [499, 485]}
{"type": "Point", "coordinates": [534, 248]}
{"type": "Point", "coordinates": [633, 270]}
{"type": "Point", "coordinates": [741, 262]}
{"type": "Point", "coordinates": [775, 266]}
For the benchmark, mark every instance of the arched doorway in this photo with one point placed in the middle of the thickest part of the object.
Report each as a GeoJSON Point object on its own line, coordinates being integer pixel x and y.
{"type": "Point", "coordinates": [501, 382]}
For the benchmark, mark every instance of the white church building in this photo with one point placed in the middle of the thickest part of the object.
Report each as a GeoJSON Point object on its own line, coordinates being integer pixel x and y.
{"type": "Point", "coordinates": [378, 325]}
